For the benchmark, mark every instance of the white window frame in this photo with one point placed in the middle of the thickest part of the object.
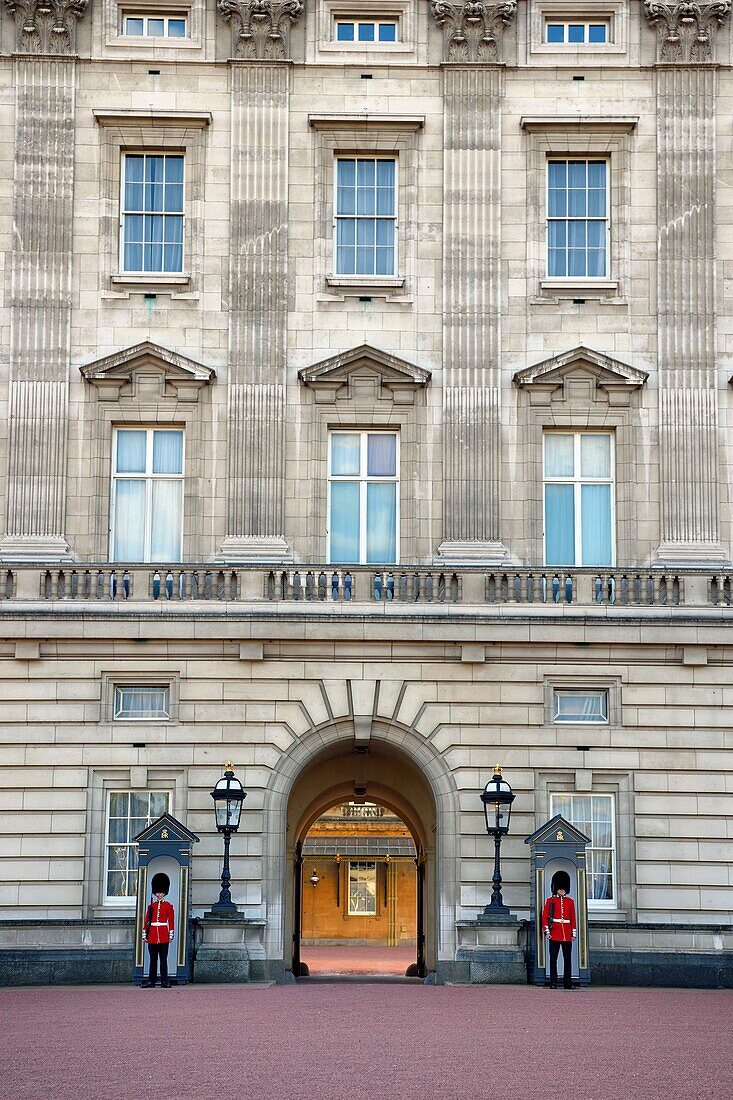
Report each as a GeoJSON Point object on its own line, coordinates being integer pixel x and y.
{"type": "Point", "coordinates": [146, 16]}
{"type": "Point", "coordinates": [557, 717]}
{"type": "Point", "coordinates": [373, 277]}
{"type": "Point", "coordinates": [128, 899]}
{"type": "Point", "coordinates": [362, 865]}
{"type": "Point", "coordinates": [568, 158]}
{"type": "Point", "coordinates": [147, 689]}
{"type": "Point", "coordinates": [596, 904]}
{"type": "Point", "coordinates": [555, 21]}
{"type": "Point", "coordinates": [149, 478]}
{"type": "Point", "coordinates": [364, 479]}
{"type": "Point", "coordinates": [145, 153]}
{"type": "Point", "coordinates": [376, 21]}
{"type": "Point", "coordinates": [577, 482]}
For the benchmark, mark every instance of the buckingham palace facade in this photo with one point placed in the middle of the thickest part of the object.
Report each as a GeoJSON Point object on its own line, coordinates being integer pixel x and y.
{"type": "Point", "coordinates": [365, 399]}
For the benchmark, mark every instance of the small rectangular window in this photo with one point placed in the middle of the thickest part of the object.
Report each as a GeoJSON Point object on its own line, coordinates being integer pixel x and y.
{"type": "Point", "coordinates": [578, 219]}
{"type": "Point", "coordinates": [154, 26]}
{"type": "Point", "coordinates": [561, 32]}
{"type": "Point", "coordinates": [362, 889]}
{"type": "Point", "coordinates": [579, 705]}
{"type": "Point", "coordinates": [579, 505]}
{"type": "Point", "coordinates": [365, 218]}
{"type": "Point", "coordinates": [128, 813]}
{"type": "Point", "coordinates": [147, 495]}
{"type": "Point", "coordinates": [142, 702]}
{"type": "Point", "coordinates": [365, 30]}
{"type": "Point", "coordinates": [593, 815]}
{"type": "Point", "coordinates": [363, 497]}
{"type": "Point", "coordinates": [152, 213]}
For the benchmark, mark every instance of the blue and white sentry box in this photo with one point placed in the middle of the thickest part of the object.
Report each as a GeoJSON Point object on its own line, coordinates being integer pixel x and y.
{"type": "Point", "coordinates": [557, 846]}
{"type": "Point", "coordinates": [165, 847]}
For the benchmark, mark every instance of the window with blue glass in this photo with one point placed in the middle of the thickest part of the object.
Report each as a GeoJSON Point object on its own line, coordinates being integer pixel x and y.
{"type": "Point", "coordinates": [352, 30]}
{"type": "Point", "coordinates": [366, 216]}
{"type": "Point", "coordinates": [154, 26]}
{"type": "Point", "coordinates": [363, 497]}
{"type": "Point", "coordinates": [561, 32]}
{"type": "Point", "coordinates": [577, 219]}
{"type": "Point", "coordinates": [579, 498]}
{"type": "Point", "coordinates": [152, 213]}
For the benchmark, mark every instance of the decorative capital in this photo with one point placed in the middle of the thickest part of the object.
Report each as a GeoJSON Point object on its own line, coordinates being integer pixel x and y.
{"type": "Point", "coordinates": [473, 30]}
{"type": "Point", "coordinates": [261, 28]}
{"type": "Point", "coordinates": [686, 31]}
{"type": "Point", "coordinates": [46, 26]}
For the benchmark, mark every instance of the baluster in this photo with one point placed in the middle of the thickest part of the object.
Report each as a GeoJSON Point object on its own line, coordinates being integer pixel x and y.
{"type": "Point", "coordinates": [598, 590]}
{"type": "Point", "coordinates": [390, 586]}
{"type": "Point", "coordinates": [504, 588]}
{"type": "Point", "coordinates": [113, 585]}
{"type": "Point", "coordinates": [662, 590]}
{"type": "Point", "coordinates": [454, 588]}
{"type": "Point", "coordinates": [415, 587]}
{"type": "Point", "coordinates": [517, 587]}
{"type": "Point", "coordinates": [234, 585]}
{"type": "Point", "coordinates": [612, 590]}
{"type": "Point", "coordinates": [377, 587]}
{"type": "Point", "coordinates": [169, 585]}
{"type": "Point", "coordinates": [156, 585]}
{"type": "Point", "coordinates": [195, 585]}
{"type": "Point", "coordinates": [335, 586]}
{"type": "Point", "coordinates": [348, 586]}
{"type": "Point", "coordinates": [126, 585]}
{"type": "Point", "coordinates": [543, 588]}
{"type": "Point", "coordinates": [568, 589]}
{"type": "Point", "coordinates": [675, 590]}
{"type": "Point", "coordinates": [297, 588]}
{"type": "Point", "coordinates": [441, 588]}
{"type": "Point", "coordinates": [271, 585]}
{"type": "Point", "coordinates": [429, 588]}
{"type": "Point", "coordinates": [181, 585]}
{"type": "Point", "coordinates": [491, 588]}
{"type": "Point", "coordinates": [650, 589]}
{"type": "Point", "coordinates": [322, 584]}
{"type": "Point", "coordinates": [530, 588]}
{"type": "Point", "coordinates": [309, 585]}
{"type": "Point", "coordinates": [727, 591]}
{"type": "Point", "coordinates": [403, 587]}
{"type": "Point", "coordinates": [636, 596]}
{"type": "Point", "coordinates": [556, 589]}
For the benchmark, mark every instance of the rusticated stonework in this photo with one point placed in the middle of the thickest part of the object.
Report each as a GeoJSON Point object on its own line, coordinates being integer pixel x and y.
{"type": "Point", "coordinates": [46, 26]}
{"type": "Point", "coordinates": [686, 31]}
{"type": "Point", "coordinates": [473, 30]}
{"type": "Point", "coordinates": [261, 28]}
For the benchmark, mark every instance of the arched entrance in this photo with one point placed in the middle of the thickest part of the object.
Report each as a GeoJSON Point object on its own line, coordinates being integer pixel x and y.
{"type": "Point", "coordinates": [397, 769]}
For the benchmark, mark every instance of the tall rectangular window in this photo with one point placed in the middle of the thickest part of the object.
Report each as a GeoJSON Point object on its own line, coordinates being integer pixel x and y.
{"type": "Point", "coordinates": [594, 815]}
{"type": "Point", "coordinates": [152, 213]}
{"type": "Point", "coordinates": [128, 813]}
{"type": "Point", "coordinates": [363, 497]}
{"type": "Point", "coordinates": [147, 495]}
{"type": "Point", "coordinates": [365, 221]}
{"type": "Point", "coordinates": [577, 219]}
{"type": "Point", "coordinates": [362, 888]}
{"type": "Point", "coordinates": [578, 498]}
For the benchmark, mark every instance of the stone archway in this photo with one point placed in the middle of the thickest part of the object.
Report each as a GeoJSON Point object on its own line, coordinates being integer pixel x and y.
{"type": "Point", "coordinates": [400, 769]}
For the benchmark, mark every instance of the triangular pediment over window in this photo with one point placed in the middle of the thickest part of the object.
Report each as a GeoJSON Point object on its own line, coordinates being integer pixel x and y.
{"type": "Point", "coordinates": [365, 370]}
{"type": "Point", "coordinates": [580, 374]}
{"type": "Point", "coordinates": [149, 372]}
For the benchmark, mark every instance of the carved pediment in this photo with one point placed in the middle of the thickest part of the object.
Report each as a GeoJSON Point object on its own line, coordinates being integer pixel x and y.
{"type": "Point", "coordinates": [147, 371]}
{"type": "Point", "coordinates": [365, 369]}
{"type": "Point", "coordinates": [580, 374]}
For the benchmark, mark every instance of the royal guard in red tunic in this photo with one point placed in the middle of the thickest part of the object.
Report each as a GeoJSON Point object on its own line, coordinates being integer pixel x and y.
{"type": "Point", "coordinates": [158, 931]}
{"type": "Point", "coordinates": [560, 928]}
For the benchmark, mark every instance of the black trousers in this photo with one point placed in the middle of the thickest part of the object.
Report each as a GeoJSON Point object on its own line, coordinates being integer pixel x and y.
{"type": "Point", "coordinates": [158, 951]}
{"type": "Point", "coordinates": [567, 952]}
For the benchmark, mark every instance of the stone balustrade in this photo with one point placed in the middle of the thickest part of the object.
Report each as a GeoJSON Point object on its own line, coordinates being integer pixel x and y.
{"type": "Point", "coordinates": [322, 584]}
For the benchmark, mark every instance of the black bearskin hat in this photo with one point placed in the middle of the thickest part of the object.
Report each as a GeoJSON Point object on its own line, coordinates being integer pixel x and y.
{"type": "Point", "coordinates": [560, 881]}
{"type": "Point", "coordinates": [161, 884]}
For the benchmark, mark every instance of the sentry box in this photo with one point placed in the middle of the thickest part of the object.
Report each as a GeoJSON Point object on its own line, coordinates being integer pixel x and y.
{"type": "Point", "coordinates": [164, 848]}
{"type": "Point", "coordinates": [557, 846]}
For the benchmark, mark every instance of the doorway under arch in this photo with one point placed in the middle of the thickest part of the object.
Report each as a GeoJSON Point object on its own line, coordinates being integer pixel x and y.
{"type": "Point", "coordinates": [399, 770]}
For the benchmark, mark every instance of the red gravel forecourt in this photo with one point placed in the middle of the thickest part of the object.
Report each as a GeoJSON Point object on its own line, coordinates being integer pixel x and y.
{"type": "Point", "coordinates": [358, 1039]}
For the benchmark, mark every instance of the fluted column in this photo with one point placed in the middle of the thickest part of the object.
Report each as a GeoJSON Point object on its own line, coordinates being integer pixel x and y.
{"type": "Point", "coordinates": [473, 89]}
{"type": "Point", "coordinates": [258, 286]}
{"type": "Point", "coordinates": [688, 404]}
{"type": "Point", "coordinates": [45, 93]}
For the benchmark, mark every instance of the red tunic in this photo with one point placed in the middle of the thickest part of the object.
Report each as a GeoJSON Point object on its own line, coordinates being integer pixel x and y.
{"type": "Point", "coordinates": [563, 918]}
{"type": "Point", "coordinates": [159, 922]}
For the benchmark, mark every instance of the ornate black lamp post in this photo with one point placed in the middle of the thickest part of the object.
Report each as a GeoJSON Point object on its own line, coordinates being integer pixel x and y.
{"type": "Point", "coordinates": [228, 795]}
{"type": "Point", "coordinates": [497, 797]}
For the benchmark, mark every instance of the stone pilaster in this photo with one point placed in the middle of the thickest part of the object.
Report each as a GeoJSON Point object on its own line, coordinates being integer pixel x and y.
{"type": "Point", "coordinates": [472, 292]}
{"type": "Point", "coordinates": [258, 299]}
{"type": "Point", "coordinates": [45, 92]}
{"type": "Point", "coordinates": [688, 404]}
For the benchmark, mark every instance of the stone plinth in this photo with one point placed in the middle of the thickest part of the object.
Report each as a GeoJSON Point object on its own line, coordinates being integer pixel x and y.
{"type": "Point", "coordinates": [224, 950]}
{"type": "Point", "coordinates": [491, 950]}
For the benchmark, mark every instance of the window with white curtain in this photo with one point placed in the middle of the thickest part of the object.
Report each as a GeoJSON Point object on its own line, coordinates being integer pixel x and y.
{"type": "Point", "coordinates": [579, 501]}
{"type": "Point", "coordinates": [365, 219]}
{"type": "Point", "coordinates": [363, 497]}
{"type": "Point", "coordinates": [362, 888]}
{"type": "Point", "coordinates": [151, 223]}
{"type": "Point", "coordinates": [128, 813]}
{"type": "Point", "coordinates": [594, 815]}
{"type": "Point", "coordinates": [578, 705]}
{"type": "Point", "coordinates": [147, 495]}
{"type": "Point", "coordinates": [578, 219]}
{"type": "Point", "coordinates": [142, 702]}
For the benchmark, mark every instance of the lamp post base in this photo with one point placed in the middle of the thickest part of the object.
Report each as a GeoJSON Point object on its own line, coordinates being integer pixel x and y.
{"type": "Point", "coordinates": [496, 914]}
{"type": "Point", "coordinates": [224, 910]}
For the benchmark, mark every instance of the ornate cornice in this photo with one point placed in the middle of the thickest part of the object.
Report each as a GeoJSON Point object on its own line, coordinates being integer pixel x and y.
{"type": "Point", "coordinates": [686, 31]}
{"type": "Point", "coordinates": [261, 28]}
{"type": "Point", "coordinates": [473, 30]}
{"type": "Point", "coordinates": [46, 26]}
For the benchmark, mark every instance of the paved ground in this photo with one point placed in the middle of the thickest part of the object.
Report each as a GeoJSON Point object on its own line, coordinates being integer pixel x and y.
{"type": "Point", "coordinates": [353, 959]}
{"type": "Point", "coordinates": [330, 1042]}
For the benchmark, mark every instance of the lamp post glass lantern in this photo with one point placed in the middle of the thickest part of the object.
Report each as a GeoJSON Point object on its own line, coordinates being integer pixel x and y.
{"type": "Point", "coordinates": [497, 797]}
{"type": "Point", "coordinates": [228, 795]}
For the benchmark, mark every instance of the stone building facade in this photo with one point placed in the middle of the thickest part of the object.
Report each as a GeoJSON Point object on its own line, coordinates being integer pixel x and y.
{"type": "Point", "coordinates": [365, 391]}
